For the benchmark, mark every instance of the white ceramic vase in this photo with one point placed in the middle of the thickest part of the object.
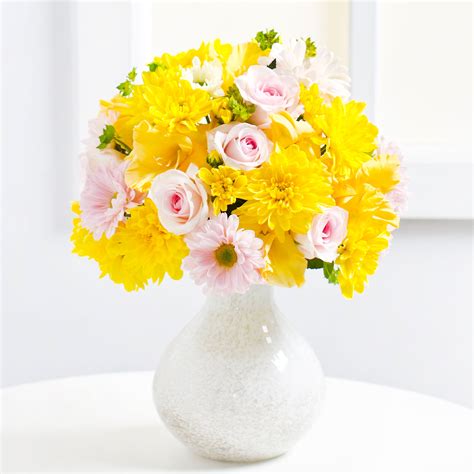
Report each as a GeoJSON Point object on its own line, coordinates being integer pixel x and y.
{"type": "Point", "coordinates": [239, 383]}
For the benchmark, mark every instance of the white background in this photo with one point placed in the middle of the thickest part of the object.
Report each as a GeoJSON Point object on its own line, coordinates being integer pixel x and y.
{"type": "Point", "coordinates": [412, 328]}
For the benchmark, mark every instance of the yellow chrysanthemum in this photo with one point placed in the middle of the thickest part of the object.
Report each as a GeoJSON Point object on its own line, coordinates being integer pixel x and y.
{"type": "Point", "coordinates": [285, 193]}
{"type": "Point", "coordinates": [134, 108]}
{"type": "Point", "coordinates": [359, 256]}
{"type": "Point", "coordinates": [155, 151]}
{"type": "Point", "coordinates": [224, 182]}
{"type": "Point", "coordinates": [176, 106]}
{"type": "Point", "coordinates": [363, 201]}
{"type": "Point", "coordinates": [160, 76]}
{"type": "Point", "coordinates": [163, 100]}
{"type": "Point", "coordinates": [350, 136]}
{"type": "Point", "coordinates": [140, 250]}
{"type": "Point", "coordinates": [370, 221]}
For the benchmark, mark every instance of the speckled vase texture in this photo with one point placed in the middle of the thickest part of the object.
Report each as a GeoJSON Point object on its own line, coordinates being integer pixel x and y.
{"type": "Point", "coordinates": [239, 383]}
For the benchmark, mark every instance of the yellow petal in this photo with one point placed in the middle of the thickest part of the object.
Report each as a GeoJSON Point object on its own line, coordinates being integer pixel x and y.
{"type": "Point", "coordinates": [286, 264]}
{"type": "Point", "coordinates": [155, 151]}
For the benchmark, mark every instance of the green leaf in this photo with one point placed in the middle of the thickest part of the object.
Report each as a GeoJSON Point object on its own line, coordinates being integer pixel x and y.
{"type": "Point", "coordinates": [315, 263]}
{"type": "Point", "coordinates": [238, 106]}
{"type": "Point", "coordinates": [108, 134]}
{"type": "Point", "coordinates": [266, 39]}
{"type": "Point", "coordinates": [310, 48]}
{"type": "Point", "coordinates": [273, 64]}
{"type": "Point", "coordinates": [333, 278]}
{"type": "Point", "coordinates": [328, 269]}
{"type": "Point", "coordinates": [330, 272]}
{"type": "Point", "coordinates": [154, 66]}
{"type": "Point", "coordinates": [126, 87]}
{"type": "Point", "coordinates": [132, 74]}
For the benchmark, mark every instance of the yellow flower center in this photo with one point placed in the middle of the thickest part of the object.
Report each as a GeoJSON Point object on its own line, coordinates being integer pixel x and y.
{"type": "Point", "coordinates": [281, 192]}
{"type": "Point", "coordinates": [224, 188]}
{"type": "Point", "coordinates": [226, 255]}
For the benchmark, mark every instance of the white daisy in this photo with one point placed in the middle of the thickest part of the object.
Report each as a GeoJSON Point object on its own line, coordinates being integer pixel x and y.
{"type": "Point", "coordinates": [329, 74]}
{"type": "Point", "coordinates": [289, 57]}
{"type": "Point", "coordinates": [206, 76]}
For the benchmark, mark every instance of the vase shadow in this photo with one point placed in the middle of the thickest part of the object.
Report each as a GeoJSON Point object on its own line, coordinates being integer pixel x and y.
{"type": "Point", "coordinates": [128, 448]}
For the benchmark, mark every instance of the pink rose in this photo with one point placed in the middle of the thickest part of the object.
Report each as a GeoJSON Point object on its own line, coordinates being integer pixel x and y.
{"type": "Point", "coordinates": [328, 230]}
{"type": "Point", "coordinates": [241, 145]}
{"type": "Point", "coordinates": [181, 201]}
{"type": "Point", "coordinates": [269, 91]}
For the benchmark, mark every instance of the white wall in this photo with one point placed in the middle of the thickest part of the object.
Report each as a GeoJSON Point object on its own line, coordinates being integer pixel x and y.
{"type": "Point", "coordinates": [411, 329]}
{"type": "Point", "coordinates": [326, 22]}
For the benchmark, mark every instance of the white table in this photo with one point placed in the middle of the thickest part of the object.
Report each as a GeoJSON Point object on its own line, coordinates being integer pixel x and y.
{"type": "Point", "coordinates": [108, 423]}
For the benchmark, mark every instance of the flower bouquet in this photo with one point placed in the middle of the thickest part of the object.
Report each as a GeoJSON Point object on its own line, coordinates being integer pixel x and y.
{"type": "Point", "coordinates": [241, 165]}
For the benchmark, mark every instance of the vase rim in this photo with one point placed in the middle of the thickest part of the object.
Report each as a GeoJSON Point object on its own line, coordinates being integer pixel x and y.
{"type": "Point", "coordinates": [263, 288]}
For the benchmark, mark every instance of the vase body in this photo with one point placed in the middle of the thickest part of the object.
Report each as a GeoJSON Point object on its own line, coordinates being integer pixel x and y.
{"type": "Point", "coordinates": [239, 383]}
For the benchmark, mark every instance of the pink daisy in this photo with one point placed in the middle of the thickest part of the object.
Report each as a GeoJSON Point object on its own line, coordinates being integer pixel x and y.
{"type": "Point", "coordinates": [223, 257]}
{"type": "Point", "coordinates": [105, 196]}
{"type": "Point", "coordinates": [399, 195]}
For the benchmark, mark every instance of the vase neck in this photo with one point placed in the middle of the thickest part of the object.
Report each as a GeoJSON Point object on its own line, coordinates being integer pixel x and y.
{"type": "Point", "coordinates": [257, 296]}
{"type": "Point", "coordinates": [240, 321]}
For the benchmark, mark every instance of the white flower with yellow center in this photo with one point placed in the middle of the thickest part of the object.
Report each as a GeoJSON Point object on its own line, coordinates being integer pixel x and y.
{"type": "Point", "coordinates": [206, 76]}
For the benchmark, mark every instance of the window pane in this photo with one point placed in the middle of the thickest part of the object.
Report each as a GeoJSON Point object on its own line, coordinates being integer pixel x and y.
{"type": "Point", "coordinates": [424, 72]}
